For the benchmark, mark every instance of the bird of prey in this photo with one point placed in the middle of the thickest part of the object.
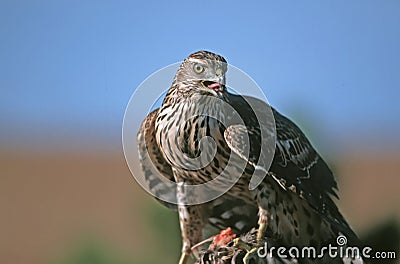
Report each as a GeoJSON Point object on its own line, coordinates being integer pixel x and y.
{"type": "Point", "coordinates": [293, 204]}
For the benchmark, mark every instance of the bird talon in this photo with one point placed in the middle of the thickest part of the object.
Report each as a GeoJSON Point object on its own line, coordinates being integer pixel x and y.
{"type": "Point", "coordinates": [249, 254]}
{"type": "Point", "coordinates": [237, 242]}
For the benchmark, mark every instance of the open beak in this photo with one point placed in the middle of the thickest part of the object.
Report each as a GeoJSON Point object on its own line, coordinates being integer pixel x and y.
{"type": "Point", "coordinates": [218, 85]}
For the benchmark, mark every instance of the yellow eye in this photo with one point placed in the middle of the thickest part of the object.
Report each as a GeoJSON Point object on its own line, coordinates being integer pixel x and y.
{"type": "Point", "coordinates": [198, 68]}
{"type": "Point", "coordinates": [218, 72]}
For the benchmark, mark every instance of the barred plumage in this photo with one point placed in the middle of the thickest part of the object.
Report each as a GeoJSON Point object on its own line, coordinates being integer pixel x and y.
{"type": "Point", "coordinates": [294, 202]}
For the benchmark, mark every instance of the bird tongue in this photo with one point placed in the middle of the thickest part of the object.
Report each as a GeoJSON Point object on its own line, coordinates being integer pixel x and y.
{"type": "Point", "coordinates": [214, 85]}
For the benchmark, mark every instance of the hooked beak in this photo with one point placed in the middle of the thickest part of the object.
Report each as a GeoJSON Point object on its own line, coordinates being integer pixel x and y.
{"type": "Point", "coordinates": [217, 85]}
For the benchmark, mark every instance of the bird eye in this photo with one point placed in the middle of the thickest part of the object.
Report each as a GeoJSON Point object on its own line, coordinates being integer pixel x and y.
{"type": "Point", "coordinates": [198, 68]}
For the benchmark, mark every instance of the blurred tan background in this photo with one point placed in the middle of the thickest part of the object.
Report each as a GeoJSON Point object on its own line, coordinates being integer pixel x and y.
{"type": "Point", "coordinates": [74, 207]}
{"type": "Point", "coordinates": [85, 207]}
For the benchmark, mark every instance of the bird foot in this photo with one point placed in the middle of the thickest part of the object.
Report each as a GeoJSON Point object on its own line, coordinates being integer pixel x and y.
{"type": "Point", "coordinates": [250, 255]}
{"type": "Point", "coordinates": [186, 251]}
{"type": "Point", "coordinates": [237, 242]}
{"type": "Point", "coordinates": [184, 258]}
{"type": "Point", "coordinates": [260, 232]}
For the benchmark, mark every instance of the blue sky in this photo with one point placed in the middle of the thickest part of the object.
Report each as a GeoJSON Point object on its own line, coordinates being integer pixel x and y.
{"type": "Point", "coordinates": [68, 68]}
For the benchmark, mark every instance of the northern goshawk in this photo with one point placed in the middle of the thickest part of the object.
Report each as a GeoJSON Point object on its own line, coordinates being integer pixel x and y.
{"type": "Point", "coordinates": [293, 205]}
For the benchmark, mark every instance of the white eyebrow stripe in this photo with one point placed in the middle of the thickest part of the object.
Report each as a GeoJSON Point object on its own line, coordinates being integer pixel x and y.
{"type": "Point", "coordinates": [197, 60]}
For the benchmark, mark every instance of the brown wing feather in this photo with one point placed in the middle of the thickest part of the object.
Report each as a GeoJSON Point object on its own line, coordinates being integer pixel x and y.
{"type": "Point", "coordinates": [296, 164]}
{"type": "Point", "coordinates": [150, 155]}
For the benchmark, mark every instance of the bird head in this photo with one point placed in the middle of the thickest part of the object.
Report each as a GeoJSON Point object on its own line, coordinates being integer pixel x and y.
{"type": "Point", "coordinates": [202, 72]}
